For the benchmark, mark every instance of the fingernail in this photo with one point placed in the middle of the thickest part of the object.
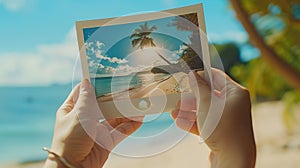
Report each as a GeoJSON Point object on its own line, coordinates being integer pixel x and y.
{"type": "Point", "coordinates": [85, 85]}
{"type": "Point", "coordinates": [137, 118]}
{"type": "Point", "coordinates": [188, 101]}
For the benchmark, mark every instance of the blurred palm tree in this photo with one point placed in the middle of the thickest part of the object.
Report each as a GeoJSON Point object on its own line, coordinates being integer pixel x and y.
{"type": "Point", "coordinates": [273, 27]}
{"type": "Point", "coordinates": [141, 38]}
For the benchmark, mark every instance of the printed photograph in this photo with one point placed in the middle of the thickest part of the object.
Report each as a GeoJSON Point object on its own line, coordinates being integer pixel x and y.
{"type": "Point", "coordinates": [136, 59]}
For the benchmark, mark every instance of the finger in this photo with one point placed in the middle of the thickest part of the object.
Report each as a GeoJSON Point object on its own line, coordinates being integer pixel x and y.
{"type": "Point", "coordinates": [123, 130]}
{"type": "Point", "coordinates": [225, 83]}
{"type": "Point", "coordinates": [187, 125]}
{"type": "Point", "coordinates": [220, 79]}
{"type": "Point", "coordinates": [137, 118]}
{"type": "Point", "coordinates": [113, 123]}
{"type": "Point", "coordinates": [188, 115]}
{"type": "Point", "coordinates": [199, 86]}
{"type": "Point", "coordinates": [86, 90]}
{"type": "Point", "coordinates": [103, 136]}
{"type": "Point", "coordinates": [174, 114]}
{"type": "Point", "coordinates": [187, 102]}
{"type": "Point", "coordinates": [128, 128]}
{"type": "Point", "coordinates": [203, 95]}
{"type": "Point", "coordinates": [86, 106]}
{"type": "Point", "coordinates": [185, 121]}
{"type": "Point", "coordinates": [69, 103]}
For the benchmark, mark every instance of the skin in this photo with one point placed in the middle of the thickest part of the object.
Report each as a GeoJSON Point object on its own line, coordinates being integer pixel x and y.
{"type": "Point", "coordinates": [70, 139]}
{"type": "Point", "coordinates": [232, 142]}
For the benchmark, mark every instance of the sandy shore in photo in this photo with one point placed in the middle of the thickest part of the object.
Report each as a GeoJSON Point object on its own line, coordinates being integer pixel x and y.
{"type": "Point", "coordinates": [176, 83]}
{"type": "Point", "coordinates": [270, 137]}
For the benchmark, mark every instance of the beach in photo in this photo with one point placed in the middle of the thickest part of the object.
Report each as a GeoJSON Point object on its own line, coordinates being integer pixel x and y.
{"type": "Point", "coordinates": [150, 85]}
{"type": "Point", "coordinates": [143, 59]}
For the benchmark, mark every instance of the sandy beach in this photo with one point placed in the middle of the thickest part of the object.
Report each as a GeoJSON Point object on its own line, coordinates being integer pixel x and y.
{"type": "Point", "coordinates": [270, 137]}
{"type": "Point", "coordinates": [176, 83]}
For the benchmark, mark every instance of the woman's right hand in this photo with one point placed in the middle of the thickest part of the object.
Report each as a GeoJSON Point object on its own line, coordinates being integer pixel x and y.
{"type": "Point", "coordinates": [232, 142]}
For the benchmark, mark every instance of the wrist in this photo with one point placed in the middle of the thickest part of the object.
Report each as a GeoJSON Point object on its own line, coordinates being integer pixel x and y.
{"type": "Point", "coordinates": [60, 149]}
{"type": "Point", "coordinates": [56, 160]}
{"type": "Point", "coordinates": [235, 157]}
{"type": "Point", "coordinates": [52, 162]}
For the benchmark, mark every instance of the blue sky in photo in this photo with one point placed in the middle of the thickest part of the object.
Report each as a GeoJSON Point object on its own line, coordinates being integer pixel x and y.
{"type": "Point", "coordinates": [38, 40]}
{"type": "Point", "coordinates": [110, 35]}
{"type": "Point", "coordinates": [117, 43]}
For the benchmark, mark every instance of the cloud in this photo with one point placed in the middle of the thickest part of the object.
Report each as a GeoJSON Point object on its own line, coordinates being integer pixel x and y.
{"type": "Point", "coordinates": [126, 69]}
{"type": "Point", "coordinates": [121, 70]}
{"type": "Point", "coordinates": [169, 3]}
{"type": "Point", "coordinates": [13, 5]}
{"type": "Point", "coordinates": [177, 53]}
{"type": "Point", "coordinates": [45, 65]}
{"type": "Point", "coordinates": [110, 59]}
{"type": "Point", "coordinates": [66, 50]}
{"type": "Point", "coordinates": [103, 71]}
{"type": "Point", "coordinates": [230, 36]}
{"type": "Point", "coordinates": [95, 51]}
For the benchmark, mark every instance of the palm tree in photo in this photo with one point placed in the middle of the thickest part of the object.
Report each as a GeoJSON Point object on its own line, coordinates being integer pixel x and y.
{"type": "Point", "coordinates": [141, 39]}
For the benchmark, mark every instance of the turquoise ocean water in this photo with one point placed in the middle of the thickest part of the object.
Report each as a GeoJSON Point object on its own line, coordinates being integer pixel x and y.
{"type": "Point", "coordinates": [27, 116]}
{"type": "Point", "coordinates": [122, 83]}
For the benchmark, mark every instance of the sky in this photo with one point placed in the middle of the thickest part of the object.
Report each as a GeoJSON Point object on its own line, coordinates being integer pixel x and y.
{"type": "Point", "coordinates": [116, 56]}
{"type": "Point", "coordinates": [38, 39]}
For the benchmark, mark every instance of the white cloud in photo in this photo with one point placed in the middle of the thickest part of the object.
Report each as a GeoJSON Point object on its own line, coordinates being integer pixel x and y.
{"type": "Point", "coordinates": [99, 44]}
{"type": "Point", "coordinates": [14, 5]}
{"type": "Point", "coordinates": [178, 53]}
{"type": "Point", "coordinates": [96, 49]}
{"type": "Point", "coordinates": [103, 71]}
{"type": "Point", "coordinates": [169, 3]}
{"type": "Point", "coordinates": [47, 64]}
{"type": "Point", "coordinates": [121, 70]}
{"type": "Point", "coordinates": [229, 36]}
{"type": "Point", "coordinates": [126, 69]}
{"type": "Point", "coordinates": [110, 59]}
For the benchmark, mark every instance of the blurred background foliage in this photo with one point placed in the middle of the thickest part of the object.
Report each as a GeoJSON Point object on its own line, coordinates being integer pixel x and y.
{"type": "Point", "coordinates": [272, 26]}
{"type": "Point", "coordinates": [278, 24]}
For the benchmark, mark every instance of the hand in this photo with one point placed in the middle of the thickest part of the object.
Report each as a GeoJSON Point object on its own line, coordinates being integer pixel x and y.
{"type": "Point", "coordinates": [232, 142]}
{"type": "Point", "coordinates": [77, 129]}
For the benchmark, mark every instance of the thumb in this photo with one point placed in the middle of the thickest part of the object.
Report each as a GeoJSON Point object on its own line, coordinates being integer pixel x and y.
{"type": "Point", "coordinates": [202, 91]}
{"type": "Point", "coordinates": [69, 103]}
{"type": "Point", "coordinates": [86, 89]}
{"type": "Point", "coordinates": [199, 85]}
{"type": "Point", "coordinates": [200, 88]}
{"type": "Point", "coordinates": [86, 93]}
{"type": "Point", "coordinates": [86, 109]}
{"type": "Point", "coordinates": [86, 105]}
{"type": "Point", "coordinates": [124, 130]}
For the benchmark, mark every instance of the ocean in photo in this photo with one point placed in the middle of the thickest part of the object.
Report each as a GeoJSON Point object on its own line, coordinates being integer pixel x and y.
{"type": "Point", "coordinates": [107, 85]}
{"type": "Point", "coordinates": [27, 117]}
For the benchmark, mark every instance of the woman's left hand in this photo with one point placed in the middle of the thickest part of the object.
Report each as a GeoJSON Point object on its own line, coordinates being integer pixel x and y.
{"type": "Point", "coordinates": [79, 137]}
